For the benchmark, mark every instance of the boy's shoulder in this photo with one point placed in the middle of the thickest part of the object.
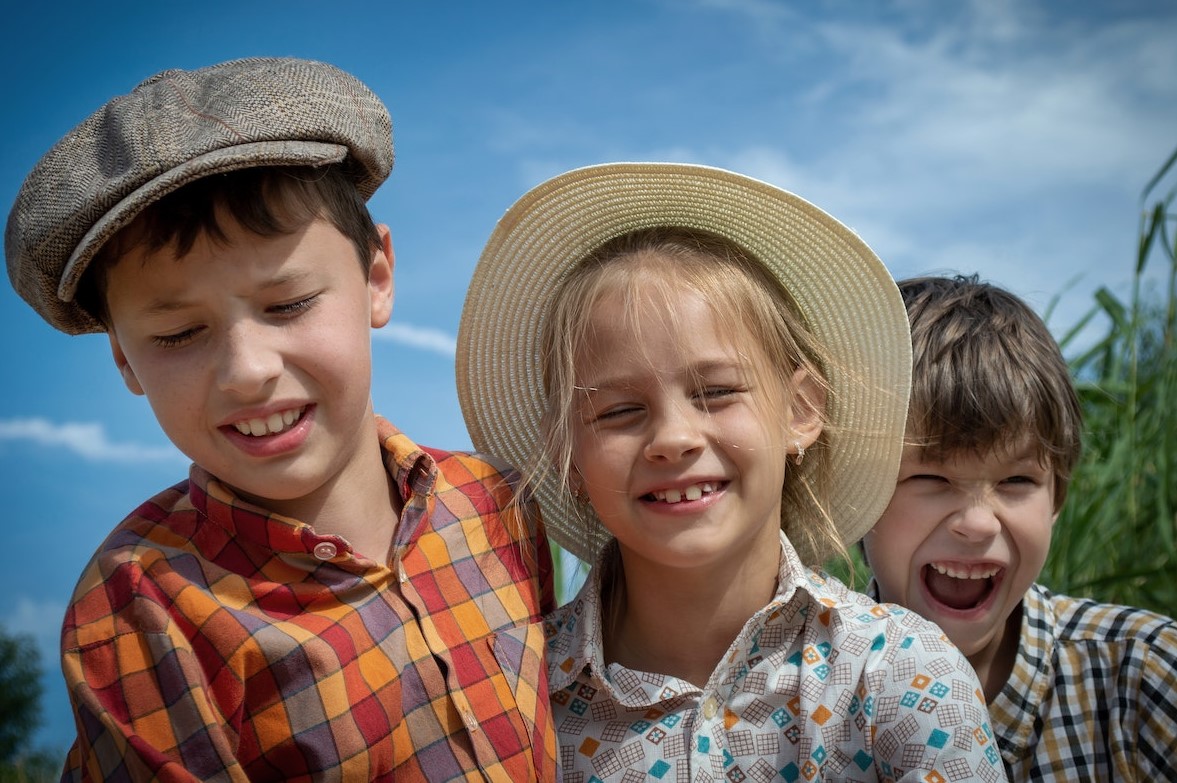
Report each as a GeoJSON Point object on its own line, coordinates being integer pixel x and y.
{"type": "Point", "coordinates": [465, 485]}
{"type": "Point", "coordinates": [1074, 620]}
{"type": "Point", "coordinates": [164, 527]}
{"type": "Point", "coordinates": [463, 468]}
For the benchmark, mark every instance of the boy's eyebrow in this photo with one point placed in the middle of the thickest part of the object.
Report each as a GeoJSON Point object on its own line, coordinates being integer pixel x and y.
{"type": "Point", "coordinates": [163, 306]}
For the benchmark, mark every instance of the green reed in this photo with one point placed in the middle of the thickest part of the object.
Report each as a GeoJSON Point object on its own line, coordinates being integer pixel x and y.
{"type": "Point", "coordinates": [1116, 538]}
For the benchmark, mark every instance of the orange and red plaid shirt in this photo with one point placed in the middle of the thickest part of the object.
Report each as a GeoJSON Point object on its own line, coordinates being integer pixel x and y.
{"type": "Point", "coordinates": [208, 639]}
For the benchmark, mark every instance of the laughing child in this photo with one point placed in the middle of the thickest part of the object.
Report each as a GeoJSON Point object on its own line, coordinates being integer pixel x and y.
{"type": "Point", "coordinates": [715, 374]}
{"type": "Point", "coordinates": [1077, 690]}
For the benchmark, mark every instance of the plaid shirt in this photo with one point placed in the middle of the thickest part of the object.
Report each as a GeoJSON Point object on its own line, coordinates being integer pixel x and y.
{"type": "Point", "coordinates": [209, 640]}
{"type": "Point", "coordinates": [821, 684]}
{"type": "Point", "coordinates": [1091, 696]}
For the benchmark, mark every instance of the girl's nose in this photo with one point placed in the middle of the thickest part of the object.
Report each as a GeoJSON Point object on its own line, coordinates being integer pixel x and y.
{"type": "Point", "coordinates": [675, 433]}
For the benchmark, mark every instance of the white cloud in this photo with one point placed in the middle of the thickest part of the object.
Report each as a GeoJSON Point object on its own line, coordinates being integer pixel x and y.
{"type": "Point", "coordinates": [86, 439]}
{"type": "Point", "coordinates": [423, 338]}
{"type": "Point", "coordinates": [39, 619]}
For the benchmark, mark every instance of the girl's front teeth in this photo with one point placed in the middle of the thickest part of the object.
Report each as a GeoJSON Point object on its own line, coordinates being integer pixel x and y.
{"type": "Point", "coordinates": [693, 492]}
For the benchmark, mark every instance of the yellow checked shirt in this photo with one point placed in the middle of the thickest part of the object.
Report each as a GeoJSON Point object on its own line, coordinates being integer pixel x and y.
{"type": "Point", "coordinates": [1093, 693]}
{"type": "Point", "coordinates": [209, 640]}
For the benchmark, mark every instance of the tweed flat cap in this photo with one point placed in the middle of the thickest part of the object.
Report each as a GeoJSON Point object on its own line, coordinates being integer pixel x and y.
{"type": "Point", "coordinates": [176, 127]}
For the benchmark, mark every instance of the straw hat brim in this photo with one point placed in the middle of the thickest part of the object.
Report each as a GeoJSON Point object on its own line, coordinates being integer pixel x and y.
{"type": "Point", "coordinates": [844, 292]}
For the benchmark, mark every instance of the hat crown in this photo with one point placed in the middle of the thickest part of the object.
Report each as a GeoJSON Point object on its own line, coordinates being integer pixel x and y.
{"type": "Point", "coordinates": [174, 127]}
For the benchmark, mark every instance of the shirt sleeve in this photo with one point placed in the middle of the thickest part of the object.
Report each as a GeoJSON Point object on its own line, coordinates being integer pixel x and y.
{"type": "Point", "coordinates": [1156, 708]}
{"type": "Point", "coordinates": [928, 707]}
{"type": "Point", "coordinates": [142, 707]}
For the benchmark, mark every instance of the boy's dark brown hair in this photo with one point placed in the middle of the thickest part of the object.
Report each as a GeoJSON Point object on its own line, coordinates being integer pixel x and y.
{"type": "Point", "coordinates": [267, 200]}
{"type": "Point", "coordinates": [986, 373]}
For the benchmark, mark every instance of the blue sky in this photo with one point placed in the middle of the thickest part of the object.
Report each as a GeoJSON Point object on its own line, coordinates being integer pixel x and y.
{"type": "Point", "coordinates": [1011, 139]}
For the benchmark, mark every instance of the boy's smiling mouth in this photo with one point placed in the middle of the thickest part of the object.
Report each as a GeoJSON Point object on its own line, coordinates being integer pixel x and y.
{"type": "Point", "coordinates": [270, 425]}
{"type": "Point", "coordinates": [961, 586]}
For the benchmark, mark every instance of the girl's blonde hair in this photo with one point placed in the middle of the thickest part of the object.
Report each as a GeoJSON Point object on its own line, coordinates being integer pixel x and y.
{"type": "Point", "coordinates": [752, 311]}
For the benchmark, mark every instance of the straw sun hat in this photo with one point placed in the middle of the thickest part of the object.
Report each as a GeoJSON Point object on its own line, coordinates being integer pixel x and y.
{"type": "Point", "coordinates": [844, 292]}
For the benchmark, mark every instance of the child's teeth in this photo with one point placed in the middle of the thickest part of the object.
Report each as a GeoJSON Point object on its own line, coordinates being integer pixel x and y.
{"type": "Point", "coordinates": [693, 492]}
{"type": "Point", "coordinates": [974, 572]}
{"type": "Point", "coordinates": [271, 425]}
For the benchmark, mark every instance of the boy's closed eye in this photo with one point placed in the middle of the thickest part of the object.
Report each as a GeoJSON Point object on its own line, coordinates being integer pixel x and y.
{"type": "Point", "coordinates": [176, 339]}
{"type": "Point", "coordinates": [296, 307]}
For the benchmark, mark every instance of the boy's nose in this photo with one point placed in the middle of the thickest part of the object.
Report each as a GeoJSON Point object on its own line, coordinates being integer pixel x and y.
{"type": "Point", "coordinates": [675, 433]}
{"type": "Point", "coordinates": [976, 522]}
{"type": "Point", "coordinates": [247, 362]}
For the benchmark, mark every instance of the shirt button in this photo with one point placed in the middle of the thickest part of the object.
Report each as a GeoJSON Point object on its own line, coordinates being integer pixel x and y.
{"type": "Point", "coordinates": [710, 708]}
{"type": "Point", "coordinates": [325, 550]}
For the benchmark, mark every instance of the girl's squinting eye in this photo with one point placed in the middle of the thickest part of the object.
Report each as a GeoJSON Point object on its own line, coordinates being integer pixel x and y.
{"type": "Point", "coordinates": [616, 412]}
{"type": "Point", "coordinates": [711, 395]}
{"type": "Point", "coordinates": [715, 392]}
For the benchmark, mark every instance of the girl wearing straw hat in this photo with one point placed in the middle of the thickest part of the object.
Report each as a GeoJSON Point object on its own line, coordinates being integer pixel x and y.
{"type": "Point", "coordinates": [706, 378]}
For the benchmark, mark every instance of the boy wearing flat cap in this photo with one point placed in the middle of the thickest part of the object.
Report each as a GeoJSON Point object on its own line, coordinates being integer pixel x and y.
{"type": "Point", "coordinates": [321, 599]}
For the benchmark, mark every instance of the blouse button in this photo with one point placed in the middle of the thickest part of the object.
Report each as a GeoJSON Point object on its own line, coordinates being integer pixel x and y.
{"type": "Point", "coordinates": [710, 708]}
{"type": "Point", "coordinates": [325, 550]}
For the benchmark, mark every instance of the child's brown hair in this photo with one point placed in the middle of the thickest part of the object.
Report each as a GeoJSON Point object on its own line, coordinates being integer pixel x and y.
{"type": "Point", "coordinates": [986, 374]}
{"type": "Point", "coordinates": [266, 200]}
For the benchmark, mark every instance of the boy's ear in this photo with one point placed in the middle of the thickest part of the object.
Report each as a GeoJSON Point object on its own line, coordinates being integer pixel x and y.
{"type": "Point", "coordinates": [120, 361]}
{"type": "Point", "coordinates": [380, 279]}
{"type": "Point", "coordinates": [806, 413]}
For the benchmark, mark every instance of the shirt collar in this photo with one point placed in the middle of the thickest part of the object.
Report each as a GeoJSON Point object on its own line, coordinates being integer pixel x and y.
{"type": "Point", "coordinates": [1032, 674]}
{"type": "Point", "coordinates": [575, 633]}
{"type": "Point", "coordinates": [413, 470]}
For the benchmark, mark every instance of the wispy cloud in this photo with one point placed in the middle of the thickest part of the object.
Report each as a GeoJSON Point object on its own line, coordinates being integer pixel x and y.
{"type": "Point", "coordinates": [419, 337]}
{"type": "Point", "coordinates": [39, 619]}
{"type": "Point", "coordinates": [85, 439]}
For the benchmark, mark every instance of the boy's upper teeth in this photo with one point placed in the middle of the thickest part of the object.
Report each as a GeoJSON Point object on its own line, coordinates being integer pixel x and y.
{"type": "Point", "coordinates": [271, 425]}
{"type": "Point", "coordinates": [981, 571]}
{"type": "Point", "coordinates": [693, 492]}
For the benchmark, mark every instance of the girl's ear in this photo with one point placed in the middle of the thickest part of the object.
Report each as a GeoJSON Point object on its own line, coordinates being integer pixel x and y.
{"type": "Point", "coordinates": [806, 418]}
{"type": "Point", "coordinates": [120, 361]}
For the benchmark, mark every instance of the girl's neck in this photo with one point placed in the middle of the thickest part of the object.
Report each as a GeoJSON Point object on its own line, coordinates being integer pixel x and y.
{"type": "Point", "coordinates": [681, 624]}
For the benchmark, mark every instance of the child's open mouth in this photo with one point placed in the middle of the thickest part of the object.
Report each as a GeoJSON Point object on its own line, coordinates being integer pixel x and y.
{"type": "Point", "coordinates": [961, 587]}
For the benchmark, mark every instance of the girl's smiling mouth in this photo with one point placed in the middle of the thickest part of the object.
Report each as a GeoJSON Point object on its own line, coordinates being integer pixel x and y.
{"type": "Point", "coordinates": [691, 492]}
